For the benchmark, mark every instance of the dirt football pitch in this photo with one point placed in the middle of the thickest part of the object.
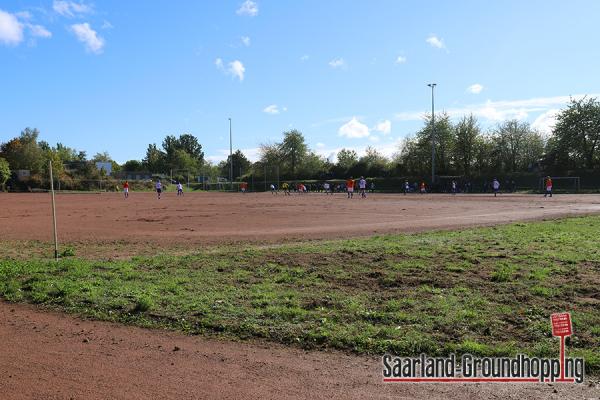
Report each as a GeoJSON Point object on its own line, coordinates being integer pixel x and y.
{"type": "Point", "coordinates": [49, 355]}
{"type": "Point", "coordinates": [213, 218]}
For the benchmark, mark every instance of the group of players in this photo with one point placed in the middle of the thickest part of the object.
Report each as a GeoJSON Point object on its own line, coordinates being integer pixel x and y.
{"type": "Point", "coordinates": [350, 184]}
{"type": "Point", "coordinates": [362, 187]}
{"type": "Point", "coordinates": [158, 187]}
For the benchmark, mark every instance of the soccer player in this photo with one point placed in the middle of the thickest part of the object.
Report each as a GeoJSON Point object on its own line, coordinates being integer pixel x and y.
{"type": "Point", "coordinates": [362, 185]}
{"type": "Point", "coordinates": [243, 187]}
{"type": "Point", "coordinates": [453, 187]}
{"type": "Point", "coordinates": [326, 187]}
{"type": "Point", "coordinates": [548, 185]}
{"type": "Point", "coordinates": [126, 189]}
{"type": "Point", "coordinates": [422, 188]}
{"type": "Point", "coordinates": [496, 186]}
{"type": "Point", "coordinates": [273, 191]}
{"type": "Point", "coordinates": [158, 188]}
{"type": "Point", "coordinates": [179, 189]}
{"type": "Point", "coordinates": [286, 188]}
{"type": "Point", "coordinates": [350, 187]}
{"type": "Point", "coordinates": [406, 187]}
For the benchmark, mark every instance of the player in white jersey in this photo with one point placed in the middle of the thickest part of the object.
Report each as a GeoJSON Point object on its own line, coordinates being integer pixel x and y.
{"type": "Point", "coordinates": [362, 186]}
{"type": "Point", "coordinates": [158, 188]}
{"type": "Point", "coordinates": [179, 189]}
{"type": "Point", "coordinates": [496, 186]}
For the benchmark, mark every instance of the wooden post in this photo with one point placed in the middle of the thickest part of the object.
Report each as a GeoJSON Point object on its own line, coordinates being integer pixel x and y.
{"type": "Point", "coordinates": [53, 212]}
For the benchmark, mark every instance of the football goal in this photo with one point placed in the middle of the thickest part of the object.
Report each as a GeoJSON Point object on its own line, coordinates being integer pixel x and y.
{"type": "Point", "coordinates": [568, 184]}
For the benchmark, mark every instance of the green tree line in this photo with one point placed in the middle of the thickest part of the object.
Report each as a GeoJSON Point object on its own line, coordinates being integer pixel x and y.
{"type": "Point", "coordinates": [462, 148]}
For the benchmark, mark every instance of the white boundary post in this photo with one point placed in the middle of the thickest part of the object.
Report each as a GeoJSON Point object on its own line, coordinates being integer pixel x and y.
{"type": "Point", "coordinates": [53, 212]}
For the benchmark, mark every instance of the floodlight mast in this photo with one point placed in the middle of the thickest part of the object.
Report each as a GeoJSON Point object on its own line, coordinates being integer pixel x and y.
{"type": "Point", "coordinates": [230, 159]}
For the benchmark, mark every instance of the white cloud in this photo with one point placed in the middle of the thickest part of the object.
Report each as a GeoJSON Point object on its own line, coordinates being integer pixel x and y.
{"type": "Point", "coordinates": [374, 138]}
{"type": "Point", "coordinates": [337, 63]}
{"type": "Point", "coordinates": [495, 111]}
{"type": "Point", "coordinates": [305, 57]}
{"type": "Point", "coordinates": [24, 15]}
{"type": "Point", "coordinates": [107, 25]}
{"type": "Point", "coordinates": [475, 88]}
{"type": "Point", "coordinates": [400, 60]}
{"type": "Point", "coordinates": [272, 109]}
{"type": "Point", "coordinates": [235, 68]}
{"type": "Point", "coordinates": [89, 37]}
{"type": "Point", "coordinates": [70, 8]}
{"type": "Point", "coordinates": [248, 8]}
{"type": "Point", "coordinates": [11, 30]}
{"type": "Point", "coordinates": [436, 42]}
{"type": "Point", "coordinates": [354, 129]}
{"type": "Point", "coordinates": [39, 31]}
{"type": "Point", "coordinates": [384, 127]}
{"type": "Point", "coordinates": [545, 122]}
{"type": "Point", "coordinates": [245, 40]}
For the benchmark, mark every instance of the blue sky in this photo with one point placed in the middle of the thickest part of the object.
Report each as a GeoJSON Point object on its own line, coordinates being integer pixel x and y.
{"type": "Point", "coordinates": [117, 75]}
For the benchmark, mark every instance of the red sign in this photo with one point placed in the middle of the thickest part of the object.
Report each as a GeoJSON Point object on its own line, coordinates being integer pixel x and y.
{"type": "Point", "coordinates": [561, 324]}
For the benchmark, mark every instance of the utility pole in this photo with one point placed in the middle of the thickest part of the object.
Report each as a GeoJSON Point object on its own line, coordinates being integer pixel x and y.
{"type": "Point", "coordinates": [432, 86]}
{"type": "Point", "coordinates": [230, 158]}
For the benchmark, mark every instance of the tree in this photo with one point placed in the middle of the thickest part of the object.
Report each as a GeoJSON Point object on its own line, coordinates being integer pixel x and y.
{"type": "Point", "coordinates": [294, 150]}
{"type": "Point", "coordinates": [24, 152]}
{"type": "Point", "coordinates": [186, 143]}
{"type": "Point", "coordinates": [155, 160]}
{"type": "Point", "coordinates": [68, 154]}
{"type": "Point", "coordinates": [241, 165]}
{"type": "Point", "coordinates": [270, 154]}
{"type": "Point", "coordinates": [576, 135]}
{"type": "Point", "coordinates": [416, 152]}
{"type": "Point", "coordinates": [102, 157]}
{"type": "Point", "coordinates": [4, 172]}
{"type": "Point", "coordinates": [132, 166]}
{"type": "Point", "coordinates": [191, 146]}
{"type": "Point", "coordinates": [373, 163]}
{"type": "Point", "coordinates": [518, 147]}
{"type": "Point", "coordinates": [313, 166]}
{"type": "Point", "coordinates": [346, 159]}
{"type": "Point", "coordinates": [466, 136]}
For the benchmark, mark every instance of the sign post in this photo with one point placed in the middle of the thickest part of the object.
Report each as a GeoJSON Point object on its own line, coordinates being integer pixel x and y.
{"type": "Point", "coordinates": [562, 327]}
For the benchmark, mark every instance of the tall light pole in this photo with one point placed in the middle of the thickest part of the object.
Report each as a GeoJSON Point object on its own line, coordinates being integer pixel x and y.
{"type": "Point", "coordinates": [432, 86]}
{"type": "Point", "coordinates": [230, 158]}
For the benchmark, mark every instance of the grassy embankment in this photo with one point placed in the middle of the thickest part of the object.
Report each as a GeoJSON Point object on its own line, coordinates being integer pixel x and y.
{"type": "Point", "coordinates": [486, 291]}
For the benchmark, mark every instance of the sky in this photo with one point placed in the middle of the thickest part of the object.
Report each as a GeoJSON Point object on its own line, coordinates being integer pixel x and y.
{"type": "Point", "coordinates": [117, 75]}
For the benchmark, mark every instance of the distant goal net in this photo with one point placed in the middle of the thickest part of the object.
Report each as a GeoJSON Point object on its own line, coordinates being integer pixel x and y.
{"type": "Point", "coordinates": [565, 184]}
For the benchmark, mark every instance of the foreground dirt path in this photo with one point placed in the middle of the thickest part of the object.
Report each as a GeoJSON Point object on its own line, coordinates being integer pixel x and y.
{"type": "Point", "coordinates": [46, 355]}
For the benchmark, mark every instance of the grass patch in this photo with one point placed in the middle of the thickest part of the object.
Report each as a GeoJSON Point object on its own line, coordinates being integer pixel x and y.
{"type": "Point", "coordinates": [486, 291]}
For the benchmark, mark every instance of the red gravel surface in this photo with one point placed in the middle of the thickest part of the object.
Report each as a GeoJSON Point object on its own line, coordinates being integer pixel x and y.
{"type": "Point", "coordinates": [205, 218]}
